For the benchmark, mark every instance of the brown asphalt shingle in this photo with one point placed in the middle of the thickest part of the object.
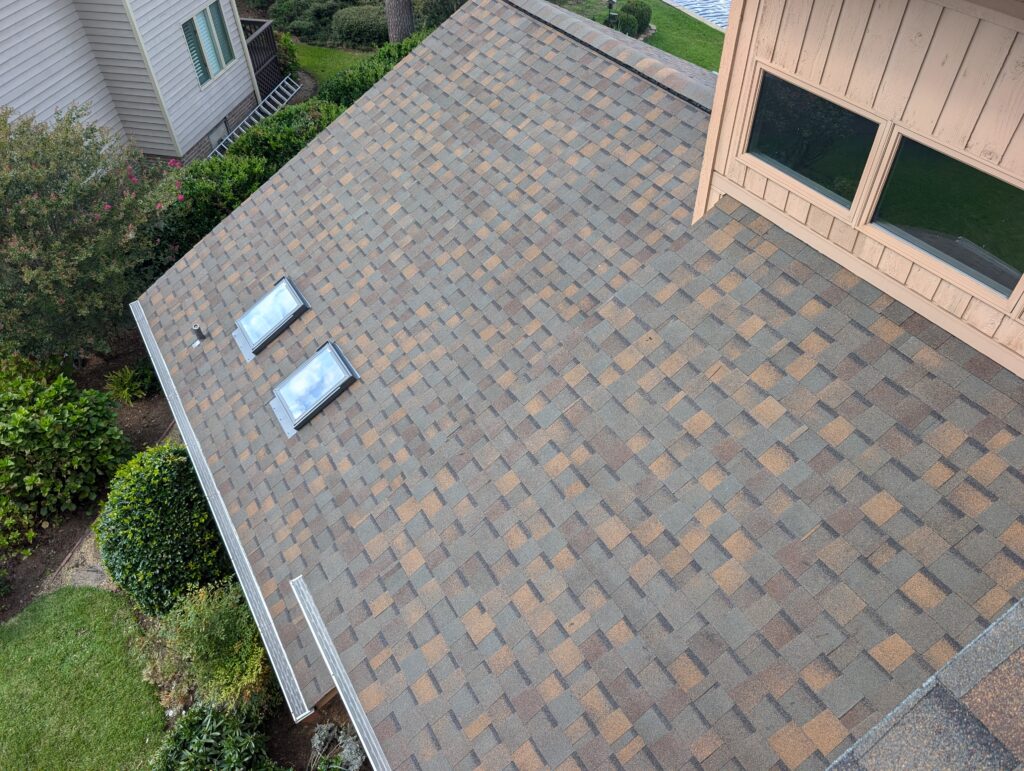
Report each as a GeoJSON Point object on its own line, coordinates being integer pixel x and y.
{"type": "Point", "coordinates": [614, 489]}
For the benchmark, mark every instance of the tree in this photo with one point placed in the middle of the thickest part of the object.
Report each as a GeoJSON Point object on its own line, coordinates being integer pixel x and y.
{"type": "Point", "coordinates": [72, 200]}
{"type": "Point", "coordinates": [399, 13]}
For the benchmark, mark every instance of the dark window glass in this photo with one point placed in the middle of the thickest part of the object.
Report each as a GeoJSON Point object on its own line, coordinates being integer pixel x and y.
{"type": "Point", "coordinates": [957, 213]}
{"type": "Point", "coordinates": [820, 143]}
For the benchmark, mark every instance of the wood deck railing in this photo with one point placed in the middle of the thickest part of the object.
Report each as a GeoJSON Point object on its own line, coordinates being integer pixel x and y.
{"type": "Point", "coordinates": [259, 39]}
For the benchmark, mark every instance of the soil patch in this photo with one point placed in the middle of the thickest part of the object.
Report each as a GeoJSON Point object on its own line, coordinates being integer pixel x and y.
{"type": "Point", "coordinates": [288, 743]}
{"type": "Point", "coordinates": [27, 575]}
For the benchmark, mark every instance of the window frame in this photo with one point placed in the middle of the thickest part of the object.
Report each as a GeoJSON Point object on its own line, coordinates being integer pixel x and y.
{"type": "Point", "coordinates": [250, 348]}
{"type": "Point", "coordinates": [848, 214]}
{"type": "Point", "coordinates": [1011, 304]}
{"type": "Point", "coordinates": [292, 425]}
{"type": "Point", "coordinates": [215, 38]}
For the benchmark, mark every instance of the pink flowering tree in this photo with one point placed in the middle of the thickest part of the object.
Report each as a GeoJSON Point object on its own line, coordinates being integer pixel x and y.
{"type": "Point", "coordinates": [73, 201]}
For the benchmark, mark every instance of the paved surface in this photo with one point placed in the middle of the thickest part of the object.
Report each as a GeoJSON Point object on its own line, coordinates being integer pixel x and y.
{"type": "Point", "coordinates": [714, 12]}
{"type": "Point", "coordinates": [613, 488]}
{"type": "Point", "coordinates": [970, 715]}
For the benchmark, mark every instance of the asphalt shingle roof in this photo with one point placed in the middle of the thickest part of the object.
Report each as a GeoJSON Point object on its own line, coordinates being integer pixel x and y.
{"type": "Point", "coordinates": [614, 488]}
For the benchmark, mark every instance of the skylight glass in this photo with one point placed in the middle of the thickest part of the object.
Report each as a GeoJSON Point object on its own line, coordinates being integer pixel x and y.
{"type": "Point", "coordinates": [309, 388]}
{"type": "Point", "coordinates": [269, 317]}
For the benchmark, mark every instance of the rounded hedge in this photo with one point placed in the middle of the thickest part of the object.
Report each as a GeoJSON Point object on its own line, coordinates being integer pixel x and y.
{"type": "Point", "coordinates": [278, 138]}
{"type": "Point", "coordinates": [641, 11]}
{"type": "Point", "coordinates": [628, 24]}
{"type": "Point", "coordinates": [156, 535]}
{"type": "Point", "coordinates": [360, 26]}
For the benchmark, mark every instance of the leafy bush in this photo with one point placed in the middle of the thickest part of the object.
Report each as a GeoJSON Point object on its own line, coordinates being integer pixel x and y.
{"type": "Point", "coordinates": [641, 11]}
{"type": "Point", "coordinates": [278, 138]}
{"type": "Point", "coordinates": [156, 535]}
{"type": "Point", "coordinates": [58, 446]}
{"type": "Point", "coordinates": [360, 26]}
{"type": "Point", "coordinates": [287, 53]}
{"type": "Point", "coordinates": [348, 85]}
{"type": "Point", "coordinates": [335, 749]}
{"type": "Point", "coordinates": [628, 24]}
{"type": "Point", "coordinates": [213, 740]}
{"type": "Point", "coordinates": [309, 19]}
{"type": "Point", "coordinates": [209, 190]}
{"type": "Point", "coordinates": [208, 646]}
{"type": "Point", "coordinates": [130, 383]}
{"type": "Point", "coordinates": [72, 200]}
{"type": "Point", "coordinates": [433, 13]}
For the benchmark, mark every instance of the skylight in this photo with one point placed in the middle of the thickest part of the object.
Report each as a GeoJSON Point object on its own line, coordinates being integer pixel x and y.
{"type": "Point", "coordinates": [311, 387]}
{"type": "Point", "coordinates": [269, 317]}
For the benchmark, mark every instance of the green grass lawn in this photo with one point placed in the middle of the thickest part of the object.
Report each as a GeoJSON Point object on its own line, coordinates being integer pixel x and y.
{"type": "Point", "coordinates": [678, 33]}
{"type": "Point", "coordinates": [321, 62]}
{"type": "Point", "coordinates": [71, 691]}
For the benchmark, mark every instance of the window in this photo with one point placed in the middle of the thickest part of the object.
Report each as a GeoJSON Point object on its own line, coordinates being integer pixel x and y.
{"type": "Point", "coordinates": [820, 143]}
{"type": "Point", "coordinates": [311, 387]}
{"type": "Point", "coordinates": [269, 317]}
{"type": "Point", "coordinates": [957, 213]}
{"type": "Point", "coordinates": [208, 42]}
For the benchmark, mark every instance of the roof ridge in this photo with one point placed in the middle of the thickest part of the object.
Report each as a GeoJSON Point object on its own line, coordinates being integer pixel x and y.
{"type": "Point", "coordinates": [680, 77]}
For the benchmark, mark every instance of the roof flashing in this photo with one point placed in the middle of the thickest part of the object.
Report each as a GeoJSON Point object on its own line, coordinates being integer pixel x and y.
{"type": "Point", "coordinates": [268, 318]}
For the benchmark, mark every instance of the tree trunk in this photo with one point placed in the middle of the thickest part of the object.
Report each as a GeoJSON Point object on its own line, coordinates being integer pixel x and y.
{"type": "Point", "coordinates": [399, 13]}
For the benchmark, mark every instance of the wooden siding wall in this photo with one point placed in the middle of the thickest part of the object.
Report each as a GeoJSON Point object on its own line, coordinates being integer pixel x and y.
{"type": "Point", "coordinates": [48, 63]}
{"type": "Point", "coordinates": [117, 52]}
{"type": "Point", "coordinates": [193, 110]}
{"type": "Point", "coordinates": [949, 73]}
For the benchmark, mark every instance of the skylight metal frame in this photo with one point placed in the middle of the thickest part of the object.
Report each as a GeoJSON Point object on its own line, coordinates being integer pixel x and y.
{"type": "Point", "coordinates": [279, 405]}
{"type": "Point", "coordinates": [251, 347]}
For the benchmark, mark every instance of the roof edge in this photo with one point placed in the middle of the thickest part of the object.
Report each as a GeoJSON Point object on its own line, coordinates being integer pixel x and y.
{"type": "Point", "coordinates": [250, 588]}
{"type": "Point", "coordinates": [622, 49]}
{"type": "Point", "coordinates": [346, 690]}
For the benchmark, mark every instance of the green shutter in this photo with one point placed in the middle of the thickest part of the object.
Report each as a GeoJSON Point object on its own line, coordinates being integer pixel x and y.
{"type": "Point", "coordinates": [222, 32]}
{"type": "Point", "coordinates": [192, 40]}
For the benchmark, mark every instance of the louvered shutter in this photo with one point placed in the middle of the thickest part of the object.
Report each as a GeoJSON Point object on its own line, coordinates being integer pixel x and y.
{"type": "Point", "coordinates": [198, 61]}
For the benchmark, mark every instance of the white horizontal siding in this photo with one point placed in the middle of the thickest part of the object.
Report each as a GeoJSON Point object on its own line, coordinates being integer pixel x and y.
{"type": "Point", "coordinates": [193, 110]}
{"type": "Point", "coordinates": [117, 52]}
{"type": "Point", "coordinates": [48, 64]}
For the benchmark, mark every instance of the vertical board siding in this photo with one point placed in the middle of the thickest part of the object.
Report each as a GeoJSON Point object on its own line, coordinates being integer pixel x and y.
{"type": "Point", "coordinates": [974, 81]}
{"type": "Point", "coordinates": [946, 70]}
{"type": "Point", "coordinates": [117, 52]}
{"type": "Point", "coordinates": [49, 64]}
{"type": "Point", "coordinates": [193, 110]}
{"type": "Point", "coordinates": [907, 56]}
{"type": "Point", "coordinates": [1004, 109]}
{"type": "Point", "coordinates": [879, 36]}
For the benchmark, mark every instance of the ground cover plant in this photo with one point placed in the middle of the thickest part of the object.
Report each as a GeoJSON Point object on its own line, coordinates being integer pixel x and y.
{"type": "Point", "coordinates": [72, 693]}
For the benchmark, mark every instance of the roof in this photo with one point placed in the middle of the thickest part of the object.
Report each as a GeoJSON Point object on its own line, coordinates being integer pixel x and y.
{"type": "Point", "coordinates": [613, 485]}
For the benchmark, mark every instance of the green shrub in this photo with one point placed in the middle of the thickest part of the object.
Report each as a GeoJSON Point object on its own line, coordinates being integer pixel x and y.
{"type": "Point", "coordinates": [628, 24]}
{"type": "Point", "coordinates": [209, 644]}
{"type": "Point", "coordinates": [278, 138]}
{"type": "Point", "coordinates": [287, 53]}
{"type": "Point", "coordinates": [433, 13]}
{"type": "Point", "coordinates": [641, 11]}
{"type": "Point", "coordinates": [58, 446]}
{"type": "Point", "coordinates": [130, 383]}
{"type": "Point", "coordinates": [310, 20]}
{"type": "Point", "coordinates": [360, 26]}
{"type": "Point", "coordinates": [208, 739]}
{"type": "Point", "coordinates": [156, 535]}
{"type": "Point", "coordinates": [72, 199]}
{"type": "Point", "coordinates": [197, 197]}
{"type": "Point", "coordinates": [348, 85]}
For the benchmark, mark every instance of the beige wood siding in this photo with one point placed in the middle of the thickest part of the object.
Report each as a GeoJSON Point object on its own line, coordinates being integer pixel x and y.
{"type": "Point", "coordinates": [193, 110]}
{"type": "Point", "coordinates": [949, 73]}
{"type": "Point", "coordinates": [128, 80]}
{"type": "Point", "coordinates": [48, 63]}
